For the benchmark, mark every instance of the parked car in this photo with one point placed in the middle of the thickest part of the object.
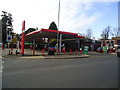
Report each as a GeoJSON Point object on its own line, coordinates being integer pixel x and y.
{"type": "Point", "coordinates": [118, 52]}
{"type": "Point", "coordinates": [112, 50]}
{"type": "Point", "coordinates": [99, 49]}
{"type": "Point", "coordinates": [51, 51]}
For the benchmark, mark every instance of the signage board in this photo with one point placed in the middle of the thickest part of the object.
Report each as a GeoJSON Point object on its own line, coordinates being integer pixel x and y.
{"type": "Point", "coordinates": [85, 51]}
{"type": "Point", "coordinates": [9, 38]}
{"type": "Point", "coordinates": [27, 43]}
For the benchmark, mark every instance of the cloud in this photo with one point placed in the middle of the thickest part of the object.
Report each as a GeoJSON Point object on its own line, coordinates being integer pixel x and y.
{"type": "Point", "coordinates": [99, 0]}
{"type": "Point", "coordinates": [37, 13]}
{"type": "Point", "coordinates": [75, 15]}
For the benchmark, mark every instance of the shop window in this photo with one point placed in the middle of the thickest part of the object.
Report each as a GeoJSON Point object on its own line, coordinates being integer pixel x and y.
{"type": "Point", "coordinates": [107, 41]}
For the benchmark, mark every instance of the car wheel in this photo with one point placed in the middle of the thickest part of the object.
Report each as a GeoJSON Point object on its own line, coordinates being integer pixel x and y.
{"type": "Point", "coordinates": [118, 54]}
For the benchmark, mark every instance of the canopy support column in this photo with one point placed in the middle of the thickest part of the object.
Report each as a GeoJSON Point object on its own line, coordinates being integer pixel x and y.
{"type": "Point", "coordinates": [60, 42]}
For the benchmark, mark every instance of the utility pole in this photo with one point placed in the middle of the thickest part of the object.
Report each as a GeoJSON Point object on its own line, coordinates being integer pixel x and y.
{"type": "Point", "coordinates": [1, 53]}
{"type": "Point", "coordinates": [58, 25]}
{"type": "Point", "coordinates": [0, 31]}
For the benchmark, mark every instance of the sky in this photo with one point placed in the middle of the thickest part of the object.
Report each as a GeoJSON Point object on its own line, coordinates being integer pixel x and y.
{"type": "Point", "coordinates": [76, 16]}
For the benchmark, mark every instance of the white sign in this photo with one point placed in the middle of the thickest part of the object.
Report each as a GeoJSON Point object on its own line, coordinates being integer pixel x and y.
{"type": "Point", "coordinates": [0, 44]}
{"type": "Point", "coordinates": [9, 38]}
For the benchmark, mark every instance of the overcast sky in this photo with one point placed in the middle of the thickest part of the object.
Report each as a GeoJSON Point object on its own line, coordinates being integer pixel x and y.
{"type": "Point", "coordinates": [75, 15]}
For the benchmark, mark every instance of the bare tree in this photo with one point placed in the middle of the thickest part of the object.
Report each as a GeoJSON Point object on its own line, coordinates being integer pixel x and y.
{"type": "Point", "coordinates": [89, 33]}
{"type": "Point", "coordinates": [106, 33]}
{"type": "Point", "coordinates": [7, 27]}
{"type": "Point", "coordinates": [115, 32]}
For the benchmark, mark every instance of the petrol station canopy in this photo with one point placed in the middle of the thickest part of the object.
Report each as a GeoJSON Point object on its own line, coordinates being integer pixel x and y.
{"type": "Point", "coordinates": [51, 34]}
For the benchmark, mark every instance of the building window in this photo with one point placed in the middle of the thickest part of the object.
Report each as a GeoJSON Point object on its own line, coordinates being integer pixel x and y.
{"type": "Point", "coordinates": [112, 41]}
{"type": "Point", "coordinates": [107, 41]}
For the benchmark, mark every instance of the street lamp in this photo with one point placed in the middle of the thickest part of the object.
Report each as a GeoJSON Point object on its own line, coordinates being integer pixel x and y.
{"type": "Point", "coordinates": [58, 24]}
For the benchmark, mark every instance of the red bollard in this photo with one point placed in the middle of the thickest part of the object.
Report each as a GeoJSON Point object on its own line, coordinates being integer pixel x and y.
{"type": "Point", "coordinates": [43, 51]}
{"type": "Point", "coordinates": [81, 51]}
{"type": "Point", "coordinates": [64, 51]}
{"type": "Point", "coordinates": [58, 52]}
{"type": "Point", "coordinates": [11, 51]}
{"type": "Point", "coordinates": [31, 47]}
{"type": "Point", "coordinates": [70, 51]}
{"type": "Point", "coordinates": [3, 47]}
{"type": "Point", "coordinates": [76, 51]}
{"type": "Point", "coordinates": [33, 51]}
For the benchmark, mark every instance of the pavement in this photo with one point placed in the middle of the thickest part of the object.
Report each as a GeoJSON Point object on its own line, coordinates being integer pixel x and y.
{"type": "Point", "coordinates": [38, 55]}
{"type": "Point", "coordinates": [46, 56]}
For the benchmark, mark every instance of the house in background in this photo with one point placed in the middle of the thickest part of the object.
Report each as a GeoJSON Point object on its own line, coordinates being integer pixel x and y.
{"type": "Point", "coordinates": [116, 42]}
{"type": "Point", "coordinates": [95, 44]}
{"type": "Point", "coordinates": [111, 43]}
{"type": "Point", "coordinates": [107, 43]}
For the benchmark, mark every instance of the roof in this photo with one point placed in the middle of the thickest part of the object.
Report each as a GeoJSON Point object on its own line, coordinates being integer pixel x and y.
{"type": "Point", "coordinates": [52, 34]}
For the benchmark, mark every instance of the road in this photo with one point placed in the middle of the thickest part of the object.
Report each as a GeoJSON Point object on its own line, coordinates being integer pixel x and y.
{"type": "Point", "coordinates": [99, 71]}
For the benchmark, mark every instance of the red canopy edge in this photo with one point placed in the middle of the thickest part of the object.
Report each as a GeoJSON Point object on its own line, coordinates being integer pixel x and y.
{"type": "Point", "coordinates": [61, 32]}
{"type": "Point", "coordinates": [33, 33]}
{"type": "Point", "coordinates": [80, 36]}
{"type": "Point", "coordinates": [54, 31]}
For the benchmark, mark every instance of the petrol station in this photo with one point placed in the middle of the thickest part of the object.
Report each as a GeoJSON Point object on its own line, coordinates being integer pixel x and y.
{"type": "Point", "coordinates": [50, 38]}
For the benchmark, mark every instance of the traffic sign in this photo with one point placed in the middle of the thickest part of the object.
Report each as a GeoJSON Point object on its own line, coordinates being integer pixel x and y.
{"type": "Point", "coordinates": [9, 38]}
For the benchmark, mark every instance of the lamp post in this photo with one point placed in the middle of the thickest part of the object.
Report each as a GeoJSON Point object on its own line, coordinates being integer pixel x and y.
{"type": "Point", "coordinates": [58, 25]}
